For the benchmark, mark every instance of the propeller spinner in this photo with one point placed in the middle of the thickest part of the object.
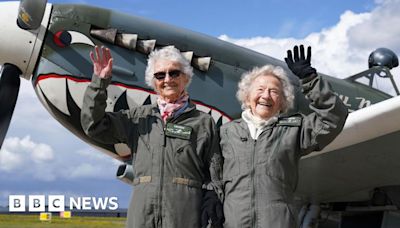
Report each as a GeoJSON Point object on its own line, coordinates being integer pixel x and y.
{"type": "Point", "coordinates": [24, 39]}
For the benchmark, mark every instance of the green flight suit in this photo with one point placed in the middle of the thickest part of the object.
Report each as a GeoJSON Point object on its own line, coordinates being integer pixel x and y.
{"type": "Point", "coordinates": [260, 176]}
{"type": "Point", "coordinates": [170, 172]}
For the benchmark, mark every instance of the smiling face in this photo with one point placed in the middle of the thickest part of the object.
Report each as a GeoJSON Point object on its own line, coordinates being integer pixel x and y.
{"type": "Point", "coordinates": [169, 88]}
{"type": "Point", "coordinates": [265, 98]}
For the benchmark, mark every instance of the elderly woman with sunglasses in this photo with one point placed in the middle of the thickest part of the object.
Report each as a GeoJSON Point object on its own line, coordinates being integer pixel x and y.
{"type": "Point", "coordinates": [175, 147]}
{"type": "Point", "coordinates": [262, 149]}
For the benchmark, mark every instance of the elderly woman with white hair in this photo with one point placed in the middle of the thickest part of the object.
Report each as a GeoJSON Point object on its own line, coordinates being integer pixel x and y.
{"type": "Point", "coordinates": [175, 147]}
{"type": "Point", "coordinates": [262, 149]}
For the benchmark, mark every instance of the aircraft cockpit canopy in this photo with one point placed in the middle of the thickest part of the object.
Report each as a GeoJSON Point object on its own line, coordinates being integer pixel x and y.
{"type": "Point", "coordinates": [380, 62]}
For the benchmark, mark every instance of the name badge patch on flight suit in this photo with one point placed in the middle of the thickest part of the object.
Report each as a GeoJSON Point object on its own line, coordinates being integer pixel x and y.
{"type": "Point", "coordinates": [294, 121]}
{"type": "Point", "coordinates": [178, 131]}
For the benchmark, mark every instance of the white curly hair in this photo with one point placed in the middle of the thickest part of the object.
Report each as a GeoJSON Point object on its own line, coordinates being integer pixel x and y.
{"type": "Point", "coordinates": [276, 71]}
{"type": "Point", "coordinates": [167, 53]}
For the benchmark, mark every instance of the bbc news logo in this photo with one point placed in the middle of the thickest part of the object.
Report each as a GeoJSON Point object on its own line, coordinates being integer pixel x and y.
{"type": "Point", "coordinates": [57, 203]}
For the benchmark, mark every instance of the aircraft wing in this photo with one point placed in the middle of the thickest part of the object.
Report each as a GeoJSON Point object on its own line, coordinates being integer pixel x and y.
{"type": "Point", "coordinates": [366, 155]}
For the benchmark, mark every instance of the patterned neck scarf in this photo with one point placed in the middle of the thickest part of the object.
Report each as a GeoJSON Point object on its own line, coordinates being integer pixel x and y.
{"type": "Point", "coordinates": [168, 110]}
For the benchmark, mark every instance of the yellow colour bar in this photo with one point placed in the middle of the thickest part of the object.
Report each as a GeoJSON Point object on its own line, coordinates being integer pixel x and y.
{"type": "Point", "coordinates": [45, 216]}
{"type": "Point", "coordinates": [65, 214]}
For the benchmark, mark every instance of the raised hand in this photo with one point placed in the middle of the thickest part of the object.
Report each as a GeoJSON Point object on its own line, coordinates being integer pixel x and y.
{"type": "Point", "coordinates": [102, 62]}
{"type": "Point", "coordinates": [300, 65]}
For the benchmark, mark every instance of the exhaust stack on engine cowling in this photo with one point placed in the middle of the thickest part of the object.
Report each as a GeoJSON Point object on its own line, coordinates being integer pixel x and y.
{"type": "Point", "coordinates": [125, 173]}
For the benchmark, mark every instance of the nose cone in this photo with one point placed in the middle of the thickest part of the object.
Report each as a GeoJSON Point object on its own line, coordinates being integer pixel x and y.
{"type": "Point", "coordinates": [18, 46]}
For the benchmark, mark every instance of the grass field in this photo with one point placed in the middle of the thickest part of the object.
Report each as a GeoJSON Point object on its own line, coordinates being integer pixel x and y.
{"type": "Point", "coordinates": [32, 221]}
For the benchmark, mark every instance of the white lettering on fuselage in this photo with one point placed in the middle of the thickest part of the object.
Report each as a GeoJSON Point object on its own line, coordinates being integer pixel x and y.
{"type": "Point", "coordinates": [354, 104]}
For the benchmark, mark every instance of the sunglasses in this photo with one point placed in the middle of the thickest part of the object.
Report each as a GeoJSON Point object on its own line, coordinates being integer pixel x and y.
{"type": "Point", "coordinates": [172, 74]}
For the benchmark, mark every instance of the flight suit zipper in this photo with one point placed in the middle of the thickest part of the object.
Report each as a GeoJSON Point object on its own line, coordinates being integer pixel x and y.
{"type": "Point", "coordinates": [253, 187]}
{"type": "Point", "coordinates": [252, 176]}
{"type": "Point", "coordinates": [160, 193]}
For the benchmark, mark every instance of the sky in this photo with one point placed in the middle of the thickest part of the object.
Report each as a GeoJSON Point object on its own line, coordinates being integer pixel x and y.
{"type": "Point", "coordinates": [39, 156]}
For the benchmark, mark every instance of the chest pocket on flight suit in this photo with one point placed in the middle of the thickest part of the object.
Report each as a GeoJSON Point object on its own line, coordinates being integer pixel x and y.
{"type": "Point", "coordinates": [236, 155]}
{"type": "Point", "coordinates": [282, 162]}
{"type": "Point", "coordinates": [145, 148]}
{"type": "Point", "coordinates": [188, 155]}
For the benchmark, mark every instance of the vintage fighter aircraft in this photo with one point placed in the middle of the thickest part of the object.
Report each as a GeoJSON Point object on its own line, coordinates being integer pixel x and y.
{"type": "Point", "coordinates": [49, 44]}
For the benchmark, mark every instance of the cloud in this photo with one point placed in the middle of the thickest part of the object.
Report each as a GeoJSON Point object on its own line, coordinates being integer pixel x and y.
{"type": "Point", "coordinates": [18, 153]}
{"type": "Point", "coordinates": [330, 45]}
{"type": "Point", "coordinates": [343, 49]}
{"type": "Point", "coordinates": [9, 160]}
{"type": "Point", "coordinates": [25, 158]}
{"type": "Point", "coordinates": [42, 153]}
{"type": "Point", "coordinates": [86, 170]}
{"type": "Point", "coordinates": [29, 111]}
{"type": "Point", "coordinates": [377, 29]}
{"type": "Point", "coordinates": [90, 163]}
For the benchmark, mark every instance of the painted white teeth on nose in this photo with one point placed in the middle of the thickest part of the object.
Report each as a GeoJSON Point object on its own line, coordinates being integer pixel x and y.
{"type": "Point", "coordinates": [55, 91]}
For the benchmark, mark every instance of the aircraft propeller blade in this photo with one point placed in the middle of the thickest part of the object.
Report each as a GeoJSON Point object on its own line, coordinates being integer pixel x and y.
{"type": "Point", "coordinates": [30, 13]}
{"type": "Point", "coordinates": [9, 88]}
